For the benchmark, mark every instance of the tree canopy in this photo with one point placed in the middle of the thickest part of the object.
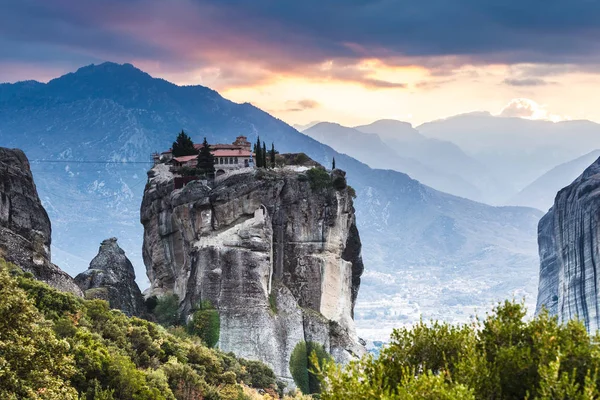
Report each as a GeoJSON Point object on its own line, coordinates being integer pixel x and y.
{"type": "Point", "coordinates": [183, 146]}
{"type": "Point", "coordinates": [502, 357]}
{"type": "Point", "coordinates": [206, 161]}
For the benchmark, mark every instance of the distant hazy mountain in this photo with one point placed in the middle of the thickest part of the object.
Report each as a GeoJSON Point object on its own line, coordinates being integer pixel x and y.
{"type": "Point", "coordinates": [439, 155]}
{"type": "Point", "coordinates": [540, 193]}
{"type": "Point", "coordinates": [516, 150]}
{"type": "Point", "coordinates": [300, 127]}
{"type": "Point", "coordinates": [371, 149]}
{"type": "Point", "coordinates": [424, 251]}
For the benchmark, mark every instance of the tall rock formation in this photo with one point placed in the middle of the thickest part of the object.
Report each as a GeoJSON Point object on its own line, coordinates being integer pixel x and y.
{"type": "Point", "coordinates": [111, 277]}
{"type": "Point", "coordinates": [279, 259]}
{"type": "Point", "coordinates": [24, 224]}
{"type": "Point", "coordinates": [569, 248]}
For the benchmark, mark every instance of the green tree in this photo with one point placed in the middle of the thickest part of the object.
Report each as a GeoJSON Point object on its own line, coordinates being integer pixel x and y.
{"type": "Point", "coordinates": [333, 164]}
{"type": "Point", "coordinates": [183, 146]}
{"type": "Point", "coordinates": [258, 153]}
{"type": "Point", "coordinates": [206, 161]}
{"type": "Point", "coordinates": [206, 323]}
{"type": "Point", "coordinates": [167, 310]}
{"type": "Point", "coordinates": [34, 364]}
{"type": "Point", "coordinates": [272, 155]}
{"type": "Point", "coordinates": [263, 154]}
{"type": "Point", "coordinates": [306, 358]}
{"type": "Point", "coordinates": [502, 357]}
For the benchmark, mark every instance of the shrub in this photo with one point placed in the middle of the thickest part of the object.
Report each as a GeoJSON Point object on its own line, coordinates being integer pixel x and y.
{"type": "Point", "coordinates": [301, 158]}
{"type": "Point", "coordinates": [258, 375]}
{"type": "Point", "coordinates": [318, 178]}
{"type": "Point", "coordinates": [81, 349]}
{"type": "Point", "coordinates": [351, 192]}
{"type": "Point", "coordinates": [500, 357]}
{"type": "Point", "coordinates": [166, 310]}
{"type": "Point", "coordinates": [206, 323]}
{"type": "Point", "coordinates": [305, 357]}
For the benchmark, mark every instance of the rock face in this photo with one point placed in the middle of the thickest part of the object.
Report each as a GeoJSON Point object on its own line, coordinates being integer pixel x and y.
{"type": "Point", "coordinates": [24, 224]}
{"type": "Point", "coordinates": [569, 248]}
{"type": "Point", "coordinates": [279, 260]}
{"type": "Point", "coordinates": [111, 277]}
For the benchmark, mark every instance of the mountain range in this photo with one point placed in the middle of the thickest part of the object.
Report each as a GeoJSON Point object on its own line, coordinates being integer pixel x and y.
{"type": "Point", "coordinates": [89, 136]}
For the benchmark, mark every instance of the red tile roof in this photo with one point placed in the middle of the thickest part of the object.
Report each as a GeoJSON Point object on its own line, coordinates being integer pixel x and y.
{"type": "Point", "coordinates": [231, 153]}
{"type": "Point", "coordinates": [184, 159]}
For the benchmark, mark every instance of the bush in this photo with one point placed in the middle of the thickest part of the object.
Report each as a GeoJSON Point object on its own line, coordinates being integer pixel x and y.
{"type": "Point", "coordinates": [318, 178]}
{"type": "Point", "coordinates": [305, 357]}
{"type": "Point", "coordinates": [351, 192]}
{"type": "Point", "coordinates": [501, 357]}
{"type": "Point", "coordinates": [206, 323]}
{"type": "Point", "coordinates": [166, 310]}
{"type": "Point", "coordinates": [301, 158]}
{"type": "Point", "coordinates": [81, 349]}
{"type": "Point", "coordinates": [258, 375]}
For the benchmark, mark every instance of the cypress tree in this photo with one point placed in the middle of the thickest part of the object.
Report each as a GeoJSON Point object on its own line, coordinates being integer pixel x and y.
{"type": "Point", "coordinates": [333, 164]}
{"type": "Point", "coordinates": [272, 155]}
{"type": "Point", "coordinates": [258, 155]}
{"type": "Point", "coordinates": [263, 154]}
{"type": "Point", "coordinates": [206, 161]}
{"type": "Point", "coordinates": [183, 146]}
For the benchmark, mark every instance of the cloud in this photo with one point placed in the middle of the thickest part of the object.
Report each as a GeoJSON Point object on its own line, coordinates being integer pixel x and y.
{"type": "Point", "coordinates": [222, 40]}
{"type": "Point", "coordinates": [527, 82]}
{"type": "Point", "coordinates": [529, 109]}
{"type": "Point", "coordinates": [300, 105]}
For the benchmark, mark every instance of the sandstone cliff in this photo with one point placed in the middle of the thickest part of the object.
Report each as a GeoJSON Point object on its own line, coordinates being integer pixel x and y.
{"type": "Point", "coordinates": [280, 260]}
{"type": "Point", "coordinates": [24, 224]}
{"type": "Point", "coordinates": [111, 277]}
{"type": "Point", "coordinates": [569, 248]}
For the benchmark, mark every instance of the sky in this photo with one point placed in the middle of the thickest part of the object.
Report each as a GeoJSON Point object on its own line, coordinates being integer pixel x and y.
{"type": "Point", "coordinates": [348, 61]}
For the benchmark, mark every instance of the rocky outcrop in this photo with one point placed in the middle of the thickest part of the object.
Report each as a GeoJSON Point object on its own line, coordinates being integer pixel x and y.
{"type": "Point", "coordinates": [279, 259]}
{"type": "Point", "coordinates": [569, 248]}
{"type": "Point", "coordinates": [24, 224]}
{"type": "Point", "coordinates": [111, 277]}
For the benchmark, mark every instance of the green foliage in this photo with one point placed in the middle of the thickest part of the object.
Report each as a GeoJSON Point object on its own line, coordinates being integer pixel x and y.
{"type": "Point", "coordinates": [501, 357]}
{"type": "Point", "coordinates": [257, 374]}
{"type": "Point", "coordinates": [206, 323]}
{"type": "Point", "coordinates": [166, 310]}
{"type": "Point", "coordinates": [258, 158]}
{"type": "Point", "coordinates": [56, 346]}
{"type": "Point", "coordinates": [183, 146]}
{"type": "Point", "coordinates": [301, 158]}
{"type": "Point", "coordinates": [305, 359]}
{"type": "Point", "coordinates": [272, 154]}
{"type": "Point", "coordinates": [206, 161]}
{"type": "Point", "coordinates": [34, 363]}
{"type": "Point", "coordinates": [263, 154]}
{"type": "Point", "coordinates": [273, 302]}
{"type": "Point", "coordinates": [318, 178]}
{"type": "Point", "coordinates": [351, 191]}
{"type": "Point", "coordinates": [333, 164]}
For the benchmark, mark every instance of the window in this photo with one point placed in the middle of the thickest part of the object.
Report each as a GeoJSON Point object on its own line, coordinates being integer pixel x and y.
{"type": "Point", "coordinates": [221, 160]}
{"type": "Point", "coordinates": [236, 160]}
{"type": "Point", "coordinates": [231, 160]}
{"type": "Point", "coordinates": [226, 160]}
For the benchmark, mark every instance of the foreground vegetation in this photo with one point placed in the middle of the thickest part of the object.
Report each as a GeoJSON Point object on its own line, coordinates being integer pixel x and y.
{"type": "Point", "coordinates": [501, 357]}
{"type": "Point", "coordinates": [54, 345]}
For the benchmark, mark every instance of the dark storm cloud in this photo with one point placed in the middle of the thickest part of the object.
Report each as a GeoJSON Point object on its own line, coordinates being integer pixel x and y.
{"type": "Point", "coordinates": [294, 36]}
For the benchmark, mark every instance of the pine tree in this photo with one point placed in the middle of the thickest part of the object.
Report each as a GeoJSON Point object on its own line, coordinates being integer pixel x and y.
{"type": "Point", "coordinates": [263, 154]}
{"type": "Point", "coordinates": [206, 161]}
{"type": "Point", "coordinates": [272, 155]}
{"type": "Point", "coordinates": [333, 164]}
{"type": "Point", "coordinates": [183, 146]}
{"type": "Point", "coordinates": [258, 155]}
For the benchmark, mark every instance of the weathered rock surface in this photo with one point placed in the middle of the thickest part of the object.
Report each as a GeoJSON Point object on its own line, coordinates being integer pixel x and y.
{"type": "Point", "coordinates": [111, 277]}
{"type": "Point", "coordinates": [279, 260]}
{"type": "Point", "coordinates": [24, 224]}
{"type": "Point", "coordinates": [569, 248]}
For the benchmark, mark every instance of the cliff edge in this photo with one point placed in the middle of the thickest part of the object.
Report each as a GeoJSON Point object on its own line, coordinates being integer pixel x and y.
{"type": "Point", "coordinates": [24, 224]}
{"type": "Point", "coordinates": [277, 253]}
{"type": "Point", "coordinates": [569, 249]}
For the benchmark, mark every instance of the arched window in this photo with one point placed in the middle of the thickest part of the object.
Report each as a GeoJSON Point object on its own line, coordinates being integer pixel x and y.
{"type": "Point", "coordinates": [231, 160]}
